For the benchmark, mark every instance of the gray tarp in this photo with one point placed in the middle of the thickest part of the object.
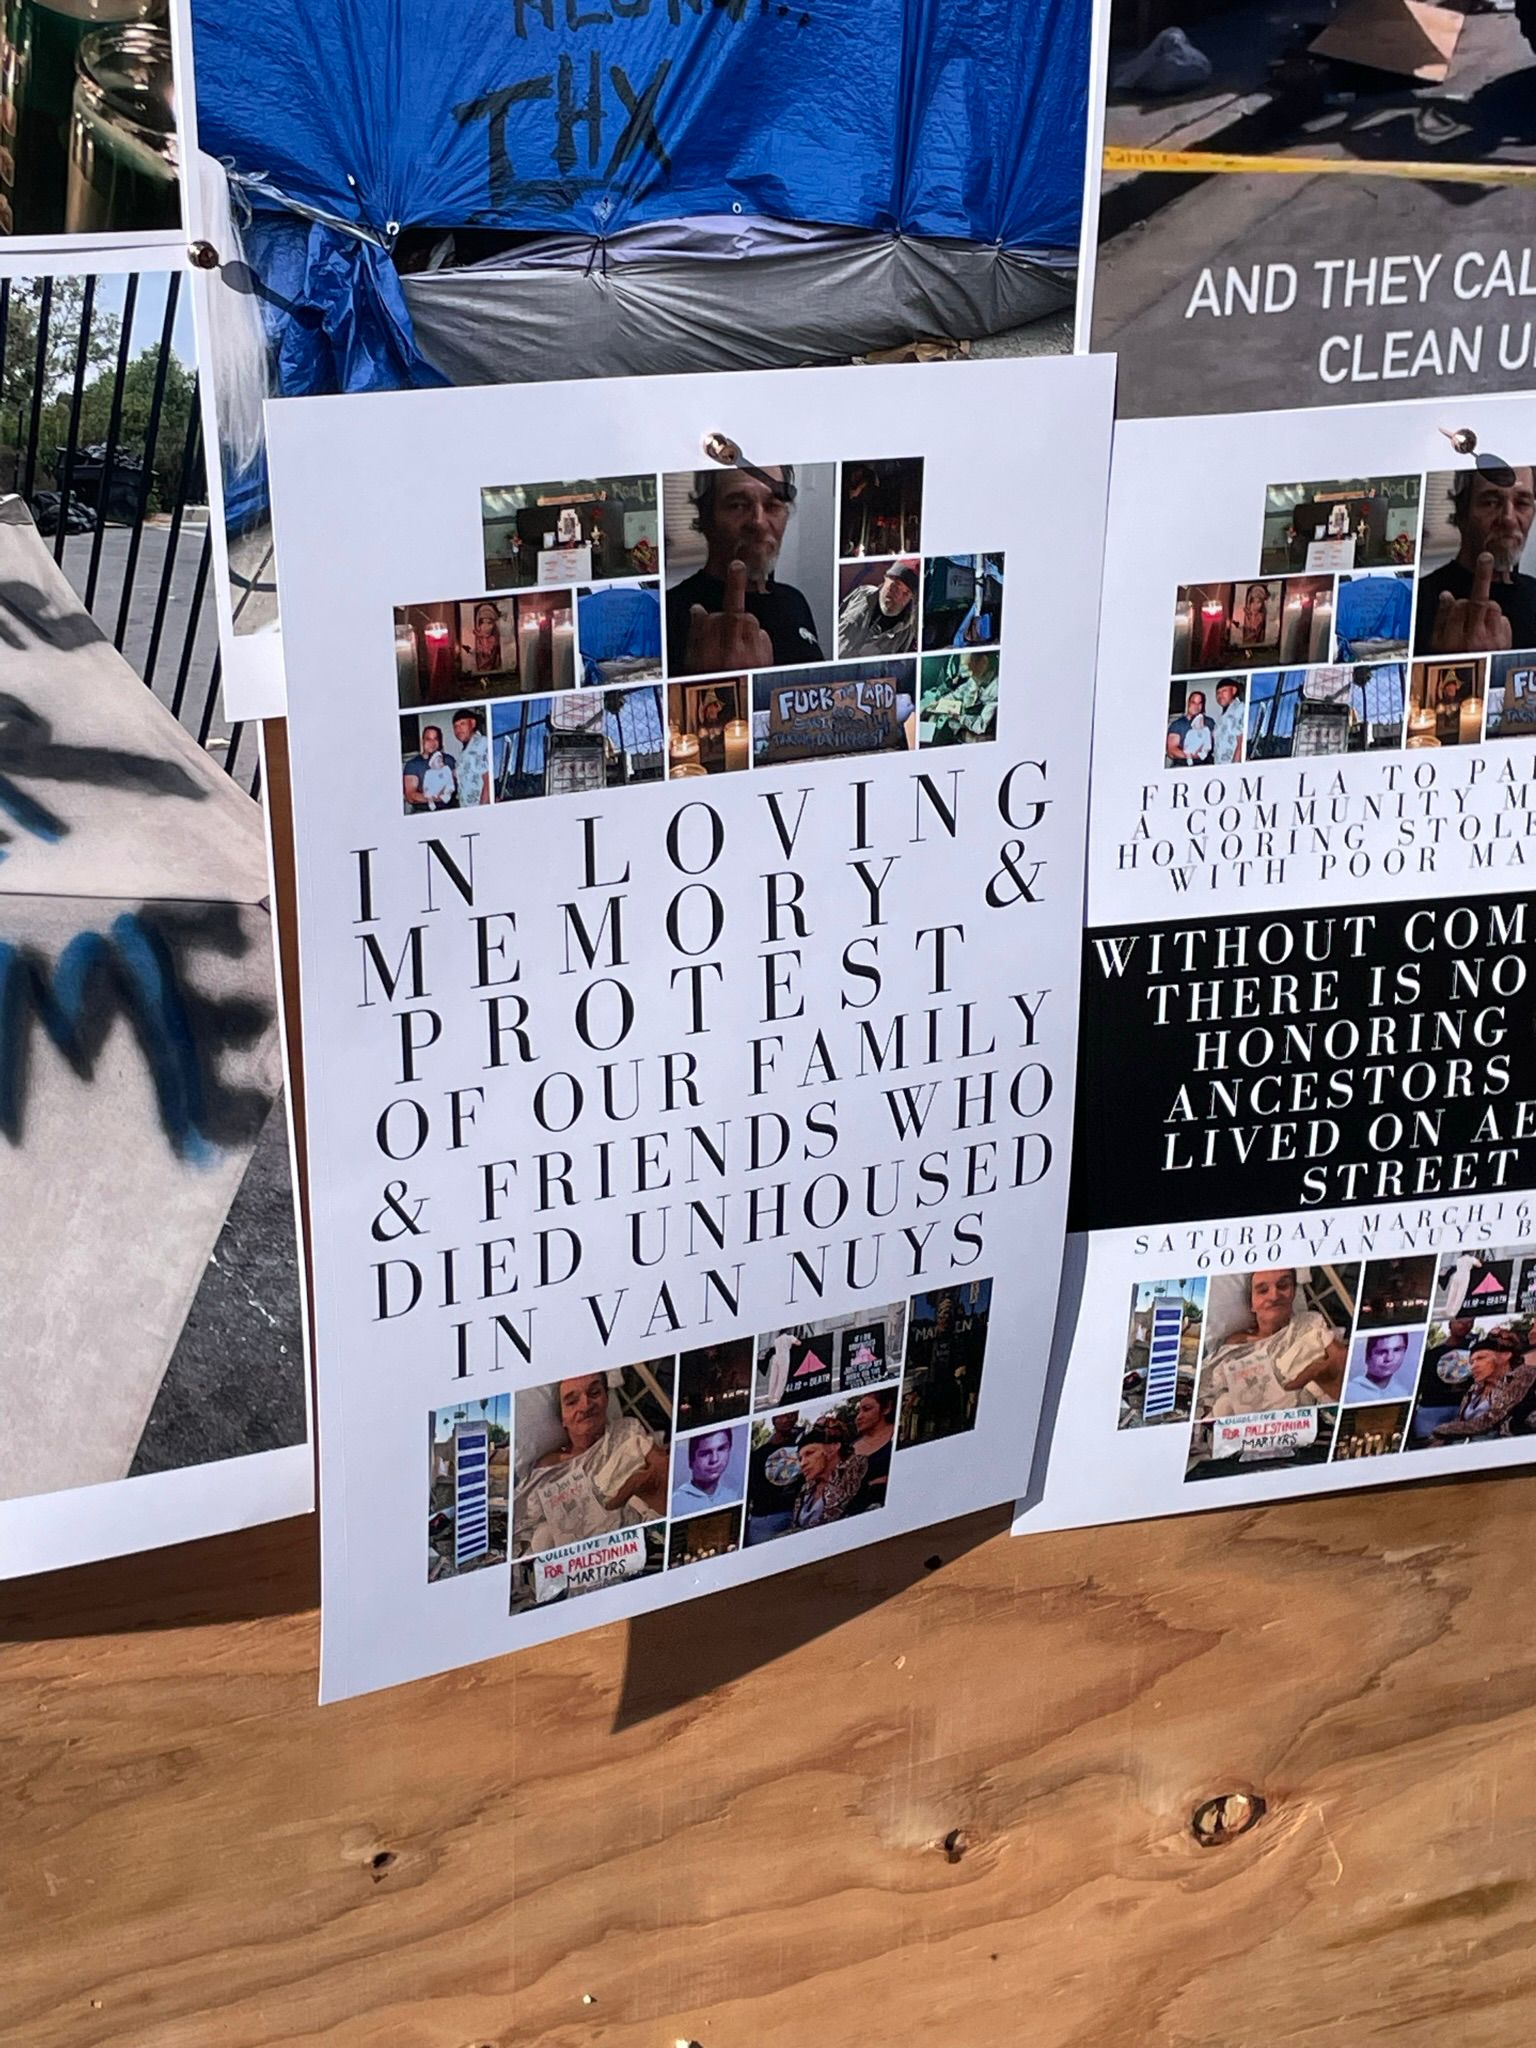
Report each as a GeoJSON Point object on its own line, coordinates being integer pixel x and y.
{"type": "Point", "coordinates": [717, 295]}
{"type": "Point", "coordinates": [138, 1028]}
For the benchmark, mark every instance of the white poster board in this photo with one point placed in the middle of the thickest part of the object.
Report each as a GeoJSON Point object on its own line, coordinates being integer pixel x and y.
{"type": "Point", "coordinates": [145, 1398]}
{"type": "Point", "coordinates": [1309, 1194]}
{"type": "Point", "coordinates": [692, 1115]}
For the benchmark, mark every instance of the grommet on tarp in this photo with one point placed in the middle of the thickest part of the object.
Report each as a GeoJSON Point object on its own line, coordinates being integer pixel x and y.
{"type": "Point", "coordinates": [1464, 441]}
{"type": "Point", "coordinates": [722, 449]}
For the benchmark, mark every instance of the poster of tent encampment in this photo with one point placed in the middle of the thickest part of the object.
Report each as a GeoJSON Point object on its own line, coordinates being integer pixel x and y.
{"type": "Point", "coordinates": [689, 898]}
{"type": "Point", "coordinates": [1315, 205]}
{"type": "Point", "coordinates": [1310, 1250]}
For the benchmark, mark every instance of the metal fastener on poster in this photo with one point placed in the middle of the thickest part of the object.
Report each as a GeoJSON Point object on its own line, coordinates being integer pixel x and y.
{"type": "Point", "coordinates": [722, 449]}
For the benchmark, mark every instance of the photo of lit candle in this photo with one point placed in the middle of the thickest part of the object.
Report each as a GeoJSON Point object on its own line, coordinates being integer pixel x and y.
{"type": "Point", "coordinates": [562, 647]}
{"type": "Point", "coordinates": [711, 732]}
{"type": "Point", "coordinates": [1322, 627]}
{"type": "Point", "coordinates": [405, 659]}
{"type": "Point", "coordinates": [1292, 649]}
{"type": "Point", "coordinates": [1183, 635]}
{"type": "Point", "coordinates": [1213, 633]}
{"type": "Point", "coordinates": [1470, 723]}
{"type": "Point", "coordinates": [441, 681]}
{"type": "Point", "coordinates": [530, 667]}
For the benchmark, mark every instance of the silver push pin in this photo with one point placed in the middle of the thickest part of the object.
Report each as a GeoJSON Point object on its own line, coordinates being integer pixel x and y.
{"type": "Point", "coordinates": [722, 449]}
{"type": "Point", "coordinates": [1491, 467]}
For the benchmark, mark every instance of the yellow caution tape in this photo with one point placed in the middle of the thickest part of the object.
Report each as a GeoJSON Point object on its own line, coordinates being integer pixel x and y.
{"type": "Point", "coordinates": [1202, 161]}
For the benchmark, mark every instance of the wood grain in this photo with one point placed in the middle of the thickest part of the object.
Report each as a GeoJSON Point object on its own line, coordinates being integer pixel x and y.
{"type": "Point", "coordinates": [865, 1802]}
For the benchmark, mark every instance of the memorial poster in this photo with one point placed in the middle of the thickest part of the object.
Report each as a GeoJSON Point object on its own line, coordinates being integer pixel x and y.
{"type": "Point", "coordinates": [153, 1381]}
{"type": "Point", "coordinates": [152, 1373]}
{"type": "Point", "coordinates": [689, 865]}
{"type": "Point", "coordinates": [1310, 206]}
{"type": "Point", "coordinates": [1309, 1200]}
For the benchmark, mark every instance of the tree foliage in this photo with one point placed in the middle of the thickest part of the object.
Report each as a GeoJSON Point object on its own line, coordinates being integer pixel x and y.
{"type": "Point", "coordinates": [175, 422]}
{"type": "Point", "coordinates": [22, 325]}
{"type": "Point", "coordinates": [18, 384]}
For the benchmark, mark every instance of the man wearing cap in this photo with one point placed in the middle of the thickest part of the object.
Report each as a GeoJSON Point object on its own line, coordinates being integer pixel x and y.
{"type": "Point", "coordinates": [880, 618]}
{"type": "Point", "coordinates": [1231, 722]}
{"type": "Point", "coordinates": [734, 613]}
{"type": "Point", "coordinates": [1480, 600]}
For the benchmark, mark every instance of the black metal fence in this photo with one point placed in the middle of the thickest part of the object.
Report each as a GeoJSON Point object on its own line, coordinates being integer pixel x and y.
{"type": "Point", "coordinates": [102, 435]}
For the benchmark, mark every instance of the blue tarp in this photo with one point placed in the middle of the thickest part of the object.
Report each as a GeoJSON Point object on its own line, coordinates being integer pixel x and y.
{"type": "Point", "coordinates": [960, 118]}
{"type": "Point", "coordinates": [937, 117]}
{"type": "Point", "coordinates": [1372, 609]}
{"type": "Point", "coordinates": [614, 623]}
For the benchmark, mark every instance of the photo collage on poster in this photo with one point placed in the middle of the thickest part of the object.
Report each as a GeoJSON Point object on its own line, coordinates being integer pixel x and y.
{"type": "Point", "coordinates": [619, 1474]}
{"type": "Point", "coordinates": [1274, 1369]}
{"type": "Point", "coordinates": [1386, 613]}
{"type": "Point", "coordinates": [654, 628]}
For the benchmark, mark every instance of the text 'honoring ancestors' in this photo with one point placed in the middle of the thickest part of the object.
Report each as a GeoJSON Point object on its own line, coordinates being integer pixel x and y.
{"type": "Point", "coordinates": [1292, 1059]}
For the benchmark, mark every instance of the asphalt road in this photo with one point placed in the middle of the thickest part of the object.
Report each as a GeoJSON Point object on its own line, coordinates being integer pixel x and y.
{"type": "Point", "coordinates": [235, 1383]}
{"type": "Point", "coordinates": [173, 649]}
{"type": "Point", "coordinates": [1050, 335]}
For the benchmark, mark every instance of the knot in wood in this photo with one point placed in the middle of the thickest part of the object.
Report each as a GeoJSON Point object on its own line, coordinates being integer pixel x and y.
{"type": "Point", "coordinates": [956, 1842]}
{"type": "Point", "coordinates": [1229, 1814]}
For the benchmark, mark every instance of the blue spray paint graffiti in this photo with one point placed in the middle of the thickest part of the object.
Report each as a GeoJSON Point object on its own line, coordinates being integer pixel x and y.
{"type": "Point", "coordinates": [28, 748]}
{"type": "Point", "coordinates": [127, 971]}
{"type": "Point", "coordinates": [29, 814]}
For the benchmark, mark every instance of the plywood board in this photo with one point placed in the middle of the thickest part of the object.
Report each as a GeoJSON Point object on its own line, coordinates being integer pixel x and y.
{"type": "Point", "coordinates": [939, 1791]}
